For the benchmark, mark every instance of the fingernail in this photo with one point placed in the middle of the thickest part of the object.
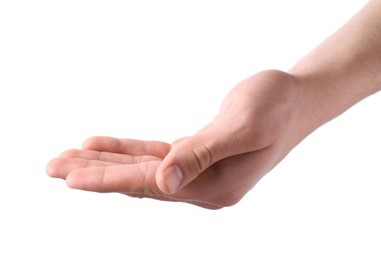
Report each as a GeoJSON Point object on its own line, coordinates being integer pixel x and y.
{"type": "Point", "coordinates": [173, 177]}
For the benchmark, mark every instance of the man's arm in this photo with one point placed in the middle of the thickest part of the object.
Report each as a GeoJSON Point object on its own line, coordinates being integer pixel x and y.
{"type": "Point", "coordinates": [261, 120]}
{"type": "Point", "coordinates": [344, 69]}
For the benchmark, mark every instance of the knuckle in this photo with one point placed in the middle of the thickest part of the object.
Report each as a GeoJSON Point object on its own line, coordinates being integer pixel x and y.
{"type": "Point", "coordinates": [200, 156]}
{"type": "Point", "coordinates": [147, 183]}
{"type": "Point", "coordinates": [143, 170]}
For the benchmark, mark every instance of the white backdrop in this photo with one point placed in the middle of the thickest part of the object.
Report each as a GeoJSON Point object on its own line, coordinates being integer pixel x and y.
{"type": "Point", "coordinates": [159, 70]}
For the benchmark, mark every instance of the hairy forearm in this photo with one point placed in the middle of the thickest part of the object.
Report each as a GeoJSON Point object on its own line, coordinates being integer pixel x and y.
{"type": "Point", "coordinates": [344, 69]}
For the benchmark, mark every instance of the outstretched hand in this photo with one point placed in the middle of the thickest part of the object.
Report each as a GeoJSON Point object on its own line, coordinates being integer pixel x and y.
{"type": "Point", "coordinates": [260, 121]}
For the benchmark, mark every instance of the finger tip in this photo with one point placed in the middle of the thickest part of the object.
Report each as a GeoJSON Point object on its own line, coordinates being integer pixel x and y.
{"type": "Point", "coordinates": [71, 181]}
{"type": "Point", "coordinates": [100, 143]}
{"type": "Point", "coordinates": [53, 168]}
{"type": "Point", "coordinates": [170, 179]}
{"type": "Point", "coordinates": [82, 179]}
{"type": "Point", "coordinates": [71, 153]}
{"type": "Point", "coordinates": [49, 169]}
{"type": "Point", "coordinates": [161, 183]}
{"type": "Point", "coordinates": [89, 142]}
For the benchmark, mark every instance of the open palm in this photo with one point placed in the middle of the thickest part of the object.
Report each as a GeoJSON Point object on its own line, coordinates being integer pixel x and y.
{"type": "Point", "coordinates": [221, 163]}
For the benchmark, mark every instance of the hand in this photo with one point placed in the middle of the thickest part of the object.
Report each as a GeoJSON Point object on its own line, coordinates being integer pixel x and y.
{"type": "Point", "coordinates": [260, 121]}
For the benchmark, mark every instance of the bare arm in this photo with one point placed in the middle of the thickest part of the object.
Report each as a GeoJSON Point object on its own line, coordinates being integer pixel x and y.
{"type": "Point", "coordinates": [344, 69]}
{"type": "Point", "coordinates": [261, 120]}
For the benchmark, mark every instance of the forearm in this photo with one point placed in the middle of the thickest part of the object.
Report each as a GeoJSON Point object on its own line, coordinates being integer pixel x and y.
{"type": "Point", "coordinates": [344, 69]}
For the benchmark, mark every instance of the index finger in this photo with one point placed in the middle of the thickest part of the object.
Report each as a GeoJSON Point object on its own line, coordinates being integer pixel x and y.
{"type": "Point", "coordinates": [127, 146]}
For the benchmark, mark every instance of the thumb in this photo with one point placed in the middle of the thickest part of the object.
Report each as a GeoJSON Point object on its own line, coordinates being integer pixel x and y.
{"type": "Point", "coordinates": [189, 158]}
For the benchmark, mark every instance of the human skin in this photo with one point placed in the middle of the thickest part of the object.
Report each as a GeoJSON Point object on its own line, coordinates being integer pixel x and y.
{"type": "Point", "coordinates": [260, 121]}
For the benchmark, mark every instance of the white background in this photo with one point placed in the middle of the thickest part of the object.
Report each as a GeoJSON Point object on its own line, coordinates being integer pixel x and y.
{"type": "Point", "coordinates": [159, 70]}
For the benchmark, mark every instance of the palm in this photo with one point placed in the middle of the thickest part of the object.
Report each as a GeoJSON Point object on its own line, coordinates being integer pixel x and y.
{"type": "Point", "coordinates": [103, 168]}
{"type": "Point", "coordinates": [254, 118]}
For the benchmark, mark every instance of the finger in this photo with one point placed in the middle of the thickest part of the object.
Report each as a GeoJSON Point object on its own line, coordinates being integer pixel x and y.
{"type": "Point", "coordinates": [226, 182]}
{"type": "Point", "coordinates": [108, 157]}
{"type": "Point", "coordinates": [129, 178]}
{"type": "Point", "coordinates": [127, 146]}
{"type": "Point", "coordinates": [192, 156]}
{"type": "Point", "coordinates": [60, 167]}
{"type": "Point", "coordinates": [135, 180]}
